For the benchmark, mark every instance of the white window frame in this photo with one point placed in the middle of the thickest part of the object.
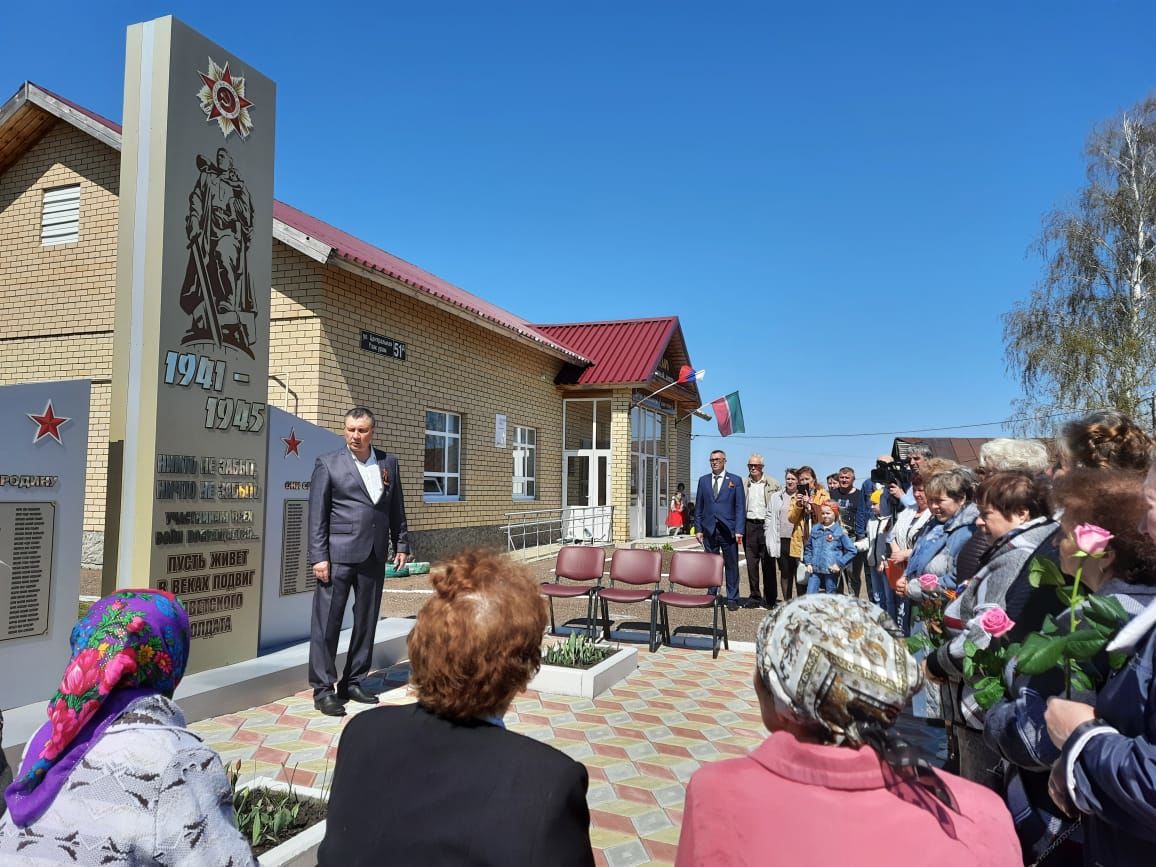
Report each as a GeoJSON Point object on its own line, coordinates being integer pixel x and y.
{"type": "Point", "coordinates": [60, 215]}
{"type": "Point", "coordinates": [525, 440]}
{"type": "Point", "coordinates": [445, 475]}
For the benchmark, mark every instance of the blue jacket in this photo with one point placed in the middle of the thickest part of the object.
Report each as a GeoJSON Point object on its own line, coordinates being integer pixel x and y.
{"type": "Point", "coordinates": [730, 509]}
{"type": "Point", "coordinates": [939, 545]}
{"type": "Point", "coordinates": [821, 554]}
{"type": "Point", "coordinates": [865, 512]}
{"type": "Point", "coordinates": [1113, 771]}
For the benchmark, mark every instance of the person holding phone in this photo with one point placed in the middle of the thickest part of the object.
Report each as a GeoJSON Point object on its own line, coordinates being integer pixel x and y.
{"type": "Point", "coordinates": [803, 510]}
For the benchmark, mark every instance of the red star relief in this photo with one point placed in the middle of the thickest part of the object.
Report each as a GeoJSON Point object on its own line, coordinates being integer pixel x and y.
{"type": "Point", "coordinates": [291, 444]}
{"type": "Point", "coordinates": [48, 424]}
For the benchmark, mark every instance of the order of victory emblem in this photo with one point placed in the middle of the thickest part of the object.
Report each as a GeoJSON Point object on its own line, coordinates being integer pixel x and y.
{"type": "Point", "coordinates": [222, 98]}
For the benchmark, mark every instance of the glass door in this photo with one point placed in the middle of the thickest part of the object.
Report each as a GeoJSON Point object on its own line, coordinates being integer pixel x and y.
{"type": "Point", "coordinates": [662, 500]}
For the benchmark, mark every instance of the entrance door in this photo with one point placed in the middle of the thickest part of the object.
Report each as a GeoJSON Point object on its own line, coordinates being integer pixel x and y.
{"type": "Point", "coordinates": [662, 497]}
{"type": "Point", "coordinates": [586, 487]}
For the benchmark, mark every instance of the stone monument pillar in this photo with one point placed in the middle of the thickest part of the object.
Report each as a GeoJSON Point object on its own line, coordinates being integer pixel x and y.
{"type": "Point", "coordinates": [187, 443]}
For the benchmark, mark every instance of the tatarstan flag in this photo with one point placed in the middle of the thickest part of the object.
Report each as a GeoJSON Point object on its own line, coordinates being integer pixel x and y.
{"type": "Point", "coordinates": [728, 412]}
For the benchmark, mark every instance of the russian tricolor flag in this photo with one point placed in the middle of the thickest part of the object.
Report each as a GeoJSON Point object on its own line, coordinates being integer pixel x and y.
{"type": "Point", "coordinates": [686, 373]}
{"type": "Point", "coordinates": [728, 412]}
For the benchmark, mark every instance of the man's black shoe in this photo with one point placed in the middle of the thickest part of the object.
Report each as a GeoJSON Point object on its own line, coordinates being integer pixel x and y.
{"type": "Point", "coordinates": [354, 692]}
{"type": "Point", "coordinates": [732, 606]}
{"type": "Point", "coordinates": [754, 602]}
{"type": "Point", "coordinates": [329, 704]}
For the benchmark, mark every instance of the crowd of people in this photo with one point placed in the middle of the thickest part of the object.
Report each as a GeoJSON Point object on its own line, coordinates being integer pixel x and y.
{"type": "Point", "coordinates": [940, 547]}
{"type": "Point", "coordinates": [1056, 769]}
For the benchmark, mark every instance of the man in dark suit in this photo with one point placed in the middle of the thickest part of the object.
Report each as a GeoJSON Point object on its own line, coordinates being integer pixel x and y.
{"type": "Point", "coordinates": [720, 508]}
{"type": "Point", "coordinates": [356, 510]}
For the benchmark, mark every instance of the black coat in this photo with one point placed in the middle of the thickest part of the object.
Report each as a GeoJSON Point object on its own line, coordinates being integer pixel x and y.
{"type": "Point", "coordinates": [412, 788]}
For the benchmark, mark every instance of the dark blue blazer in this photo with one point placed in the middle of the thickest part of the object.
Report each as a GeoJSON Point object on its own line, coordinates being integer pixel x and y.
{"type": "Point", "coordinates": [730, 509]}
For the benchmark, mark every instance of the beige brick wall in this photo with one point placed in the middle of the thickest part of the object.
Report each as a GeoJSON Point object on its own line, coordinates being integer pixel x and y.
{"type": "Point", "coordinates": [451, 365]}
{"type": "Point", "coordinates": [678, 444]}
{"type": "Point", "coordinates": [43, 285]}
{"type": "Point", "coordinates": [58, 300]}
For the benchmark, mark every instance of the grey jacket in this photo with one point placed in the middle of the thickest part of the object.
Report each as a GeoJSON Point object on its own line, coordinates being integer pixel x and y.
{"type": "Point", "coordinates": [1004, 563]}
{"type": "Point", "coordinates": [775, 507]}
{"type": "Point", "coordinates": [345, 526]}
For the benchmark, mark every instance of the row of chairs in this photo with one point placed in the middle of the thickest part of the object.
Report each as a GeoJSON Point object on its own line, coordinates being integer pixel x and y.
{"type": "Point", "coordinates": [640, 571]}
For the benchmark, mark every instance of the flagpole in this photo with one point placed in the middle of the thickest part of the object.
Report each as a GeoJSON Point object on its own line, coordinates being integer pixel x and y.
{"type": "Point", "coordinates": [660, 391]}
{"type": "Point", "coordinates": [695, 377]}
{"type": "Point", "coordinates": [704, 416]}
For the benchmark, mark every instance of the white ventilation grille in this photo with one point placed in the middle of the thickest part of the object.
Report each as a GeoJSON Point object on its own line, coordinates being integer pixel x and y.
{"type": "Point", "coordinates": [60, 217]}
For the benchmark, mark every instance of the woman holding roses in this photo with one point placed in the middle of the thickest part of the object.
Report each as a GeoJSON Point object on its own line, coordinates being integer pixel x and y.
{"type": "Point", "coordinates": [931, 569]}
{"type": "Point", "coordinates": [1014, 515]}
{"type": "Point", "coordinates": [1102, 514]}
{"type": "Point", "coordinates": [114, 776]}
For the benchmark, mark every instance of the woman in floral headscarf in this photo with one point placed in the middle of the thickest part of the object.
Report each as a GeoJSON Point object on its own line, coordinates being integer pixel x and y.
{"type": "Point", "coordinates": [832, 674]}
{"type": "Point", "coordinates": [114, 777]}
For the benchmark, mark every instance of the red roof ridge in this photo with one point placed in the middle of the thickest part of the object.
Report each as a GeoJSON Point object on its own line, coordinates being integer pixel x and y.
{"type": "Point", "coordinates": [597, 322]}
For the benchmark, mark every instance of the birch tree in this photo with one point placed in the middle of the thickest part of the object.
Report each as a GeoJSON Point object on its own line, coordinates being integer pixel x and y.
{"type": "Point", "coordinates": [1086, 337]}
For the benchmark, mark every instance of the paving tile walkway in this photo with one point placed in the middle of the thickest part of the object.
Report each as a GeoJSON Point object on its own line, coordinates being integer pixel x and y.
{"type": "Point", "coordinates": [640, 741]}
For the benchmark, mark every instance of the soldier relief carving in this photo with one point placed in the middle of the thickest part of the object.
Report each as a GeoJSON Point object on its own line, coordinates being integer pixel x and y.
{"type": "Point", "coordinates": [217, 292]}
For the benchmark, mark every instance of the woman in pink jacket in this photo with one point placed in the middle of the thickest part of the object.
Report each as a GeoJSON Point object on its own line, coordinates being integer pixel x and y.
{"type": "Point", "coordinates": [834, 784]}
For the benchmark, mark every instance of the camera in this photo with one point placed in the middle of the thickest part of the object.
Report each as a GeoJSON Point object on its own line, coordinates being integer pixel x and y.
{"type": "Point", "coordinates": [893, 472]}
{"type": "Point", "coordinates": [805, 490]}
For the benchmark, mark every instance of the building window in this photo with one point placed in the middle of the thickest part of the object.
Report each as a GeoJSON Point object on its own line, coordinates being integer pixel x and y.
{"type": "Point", "coordinates": [443, 456]}
{"type": "Point", "coordinates": [60, 216]}
{"type": "Point", "coordinates": [525, 463]}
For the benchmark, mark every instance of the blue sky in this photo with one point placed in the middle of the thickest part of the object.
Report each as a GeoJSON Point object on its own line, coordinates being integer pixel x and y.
{"type": "Point", "coordinates": [837, 202]}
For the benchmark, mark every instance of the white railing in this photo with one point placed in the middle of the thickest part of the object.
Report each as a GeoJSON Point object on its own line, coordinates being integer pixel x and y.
{"type": "Point", "coordinates": [572, 524]}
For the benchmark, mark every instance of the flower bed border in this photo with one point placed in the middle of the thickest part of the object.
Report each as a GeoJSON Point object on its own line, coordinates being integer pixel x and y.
{"type": "Point", "coordinates": [588, 682]}
{"type": "Point", "coordinates": [300, 849]}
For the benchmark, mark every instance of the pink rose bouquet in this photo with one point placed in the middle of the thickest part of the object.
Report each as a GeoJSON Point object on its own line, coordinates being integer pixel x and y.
{"type": "Point", "coordinates": [1092, 541]}
{"type": "Point", "coordinates": [996, 623]}
{"type": "Point", "coordinates": [985, 655]}
{"type": "Point", "coordinates": [1092, 620]}
{"type": "Point", "coordinates": [930, 600]}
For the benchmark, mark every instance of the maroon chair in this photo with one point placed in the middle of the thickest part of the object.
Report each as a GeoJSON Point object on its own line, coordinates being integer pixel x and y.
{"type": "Point", "coordinates": [696, 570]}
{"type": "Point", "coordinates": [575, 563]}
{"type": "Point", "coordinates": [637, 567]}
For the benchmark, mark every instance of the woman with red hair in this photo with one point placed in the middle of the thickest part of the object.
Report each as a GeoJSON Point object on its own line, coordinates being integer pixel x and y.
{"type": "Point", "coordinates": [456, 786]}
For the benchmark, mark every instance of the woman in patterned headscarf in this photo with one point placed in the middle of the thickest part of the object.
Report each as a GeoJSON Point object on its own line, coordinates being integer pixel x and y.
{"type": "Point", "coordinates": [114, 777]}
{"type": "Point", "coordinates": [834, 783]}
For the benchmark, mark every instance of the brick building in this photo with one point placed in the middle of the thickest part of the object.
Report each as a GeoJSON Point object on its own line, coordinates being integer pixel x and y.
{"type": "Point", "coordinates": [579, 435]}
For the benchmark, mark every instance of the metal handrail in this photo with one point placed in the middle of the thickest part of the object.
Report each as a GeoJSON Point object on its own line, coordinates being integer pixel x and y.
{"type": "Point", "coordinates": [578, 524]}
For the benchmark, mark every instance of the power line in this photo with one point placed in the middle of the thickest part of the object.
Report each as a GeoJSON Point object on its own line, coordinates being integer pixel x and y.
{"type": "Point", "coordinates": [1002, 423]}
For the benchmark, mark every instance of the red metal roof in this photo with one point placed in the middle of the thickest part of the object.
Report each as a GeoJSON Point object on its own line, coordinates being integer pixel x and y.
{"type": "Point", "coordinates": [621, 352]}
{"type": "Point", "coordinates": [362, 253]}
{"type": "Point", "coordinates": [101, 119]}
{"type": "Point", "coordinates": [355, 250]}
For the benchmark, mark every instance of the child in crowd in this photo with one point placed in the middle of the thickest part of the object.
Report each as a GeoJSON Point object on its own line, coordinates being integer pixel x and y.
{"type": "Point", "coordinates": [676, 517]}
{"type": "Point", "coordinates": [827, 551]}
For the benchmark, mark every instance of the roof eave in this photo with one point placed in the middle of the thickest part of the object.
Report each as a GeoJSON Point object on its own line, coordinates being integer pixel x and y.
{"type": "Point", "coordinates": [316, 250]}
{"type": "Point", "coordinates": [31, 93]}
